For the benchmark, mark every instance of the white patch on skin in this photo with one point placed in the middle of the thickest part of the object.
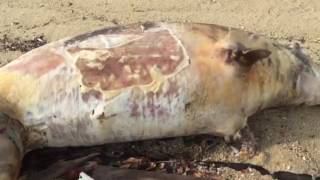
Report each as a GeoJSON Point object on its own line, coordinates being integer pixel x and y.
{"type": "Point", "coordinates": [127, 68]}
{"type": "Point", "coordinates": [108, 41]}
{"type": "Point", "coordinates": [112, 77]}
{"type": "Point", "coordinates": [97, 108]}
{"type": "Point", "coordinates": [175, 58]}
{"type": "Point", "coordinates": [134, 76]}
{"type": "Point", "coordinates": [112, 41]}
{"type": "Point", "coordinates": [155, 55]}
{"type": "Point", "coordinates": [122, 59]}
{"type": "Point", "coordinates": [90, 55]}
{"type": "Point", "coordinates": [94, 64]}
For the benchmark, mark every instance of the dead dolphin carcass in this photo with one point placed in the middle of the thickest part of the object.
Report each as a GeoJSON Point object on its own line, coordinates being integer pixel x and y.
{"type": "Point", "coordinates": [145, 81]}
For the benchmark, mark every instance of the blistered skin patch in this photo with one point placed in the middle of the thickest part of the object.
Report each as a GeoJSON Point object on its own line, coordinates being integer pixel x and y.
{"type": "Point", "coordinates": [130, 64]}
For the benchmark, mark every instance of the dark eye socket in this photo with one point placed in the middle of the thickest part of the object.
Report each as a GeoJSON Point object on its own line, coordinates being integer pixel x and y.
{"type": "Point", "coordinates": [232, 55]}
{"type": "Point", "coordinates": [228, 53]}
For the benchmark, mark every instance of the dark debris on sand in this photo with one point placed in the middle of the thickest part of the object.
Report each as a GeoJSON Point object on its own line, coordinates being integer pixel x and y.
{"type": "Point", "coordinates": [22, 45]}
{"type": "Point", "coordinates": [172, 156]}
{"type": "Point", "coordinates": [182, 158]}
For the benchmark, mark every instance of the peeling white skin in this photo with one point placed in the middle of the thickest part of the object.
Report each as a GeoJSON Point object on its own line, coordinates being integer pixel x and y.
{"type": "Point", "coordinates": [202, 95]}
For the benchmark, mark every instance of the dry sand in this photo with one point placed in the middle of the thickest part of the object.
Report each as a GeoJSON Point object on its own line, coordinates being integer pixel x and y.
{"type": "Point", "coordinates": [289, 138]}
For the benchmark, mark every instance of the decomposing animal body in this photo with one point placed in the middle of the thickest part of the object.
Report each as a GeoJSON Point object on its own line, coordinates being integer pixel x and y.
{"type": "Point", "coordinates": [145, 81]}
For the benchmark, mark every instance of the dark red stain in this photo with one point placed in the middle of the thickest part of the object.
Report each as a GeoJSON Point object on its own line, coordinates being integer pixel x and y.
{"type": "Point", "coordinates": [163, 113]}
{"type": "Point", "coordinates": [150, 104]}
{"type": "Point", "coordinates": [155, 110]}
{"type": "Point", "coordinates": [91, 93]}
{"type": "Point", "coordinates": [2, 130]}
{"type": "Point", "coordinates": [135, 110]}
{"type": "Point", "coordinates": [173, 90]}
{"type": "Point", "coordinates": [39, 64]}
{"type": "Point", "coordinates": [138, 56]}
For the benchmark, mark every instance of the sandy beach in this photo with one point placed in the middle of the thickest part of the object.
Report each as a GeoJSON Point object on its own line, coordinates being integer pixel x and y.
{"type": "Point", "coordinates": [289, 138]}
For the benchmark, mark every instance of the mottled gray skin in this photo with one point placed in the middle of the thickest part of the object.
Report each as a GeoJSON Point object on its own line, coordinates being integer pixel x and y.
{"type": "Point", "coordinates": [145, 81]}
